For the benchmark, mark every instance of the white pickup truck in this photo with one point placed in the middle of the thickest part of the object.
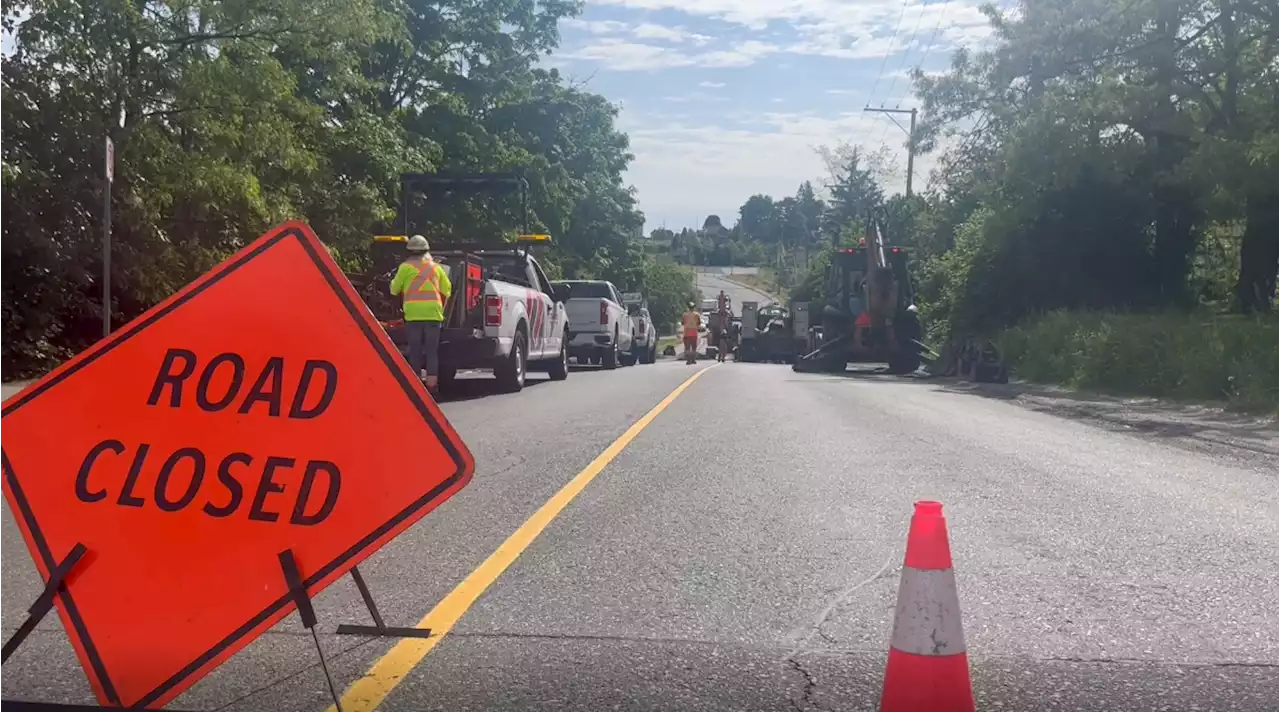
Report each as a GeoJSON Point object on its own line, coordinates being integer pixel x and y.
{"type": "Point", "coordinates": [504, 315]}
{"type": "Point", "coordinates": [646, 345]}
{"type": "Point", "coordinates": [600, 329]}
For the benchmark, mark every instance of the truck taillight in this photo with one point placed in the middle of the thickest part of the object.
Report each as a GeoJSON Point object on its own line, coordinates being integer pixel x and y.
{"type": "Point", "coordinates": [492, 310]}
{"type": "Point", "coordinates": [604, 312]}
{"type": "Point", "coordinates": [642, 328]}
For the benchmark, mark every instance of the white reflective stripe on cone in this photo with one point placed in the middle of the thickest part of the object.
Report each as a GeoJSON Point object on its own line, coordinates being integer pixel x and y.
{"type": "Point", "coordinates": [928, 618]}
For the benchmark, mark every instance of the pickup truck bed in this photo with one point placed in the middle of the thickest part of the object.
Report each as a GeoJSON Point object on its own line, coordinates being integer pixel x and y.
{"type": "Point", "coordinates": [494, 320]}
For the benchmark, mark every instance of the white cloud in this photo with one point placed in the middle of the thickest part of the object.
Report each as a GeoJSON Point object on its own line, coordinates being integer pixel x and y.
{"type": "Point", "coordinates": [828, 28]}
{"type": "Point", "coordinates": [596, 27]}
{"type": "Point", "coordinates": [621, 55]}
{"type": "Point", "coordinates": [640, 31]}
{"type": "Point", "coordinates": [650, 31]}
{"type": "Point", "coordinates": [684, 170]}
{"type": "Point", "coordinates": [691, 98]}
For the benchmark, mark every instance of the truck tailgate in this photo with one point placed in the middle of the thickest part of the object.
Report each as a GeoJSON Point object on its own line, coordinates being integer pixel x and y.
{"type": "Point", "coordinates": [584, 314]}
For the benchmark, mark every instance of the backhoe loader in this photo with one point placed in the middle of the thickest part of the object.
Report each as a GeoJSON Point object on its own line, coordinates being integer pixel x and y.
{"type": "Point", "coordinates": [869, 315]}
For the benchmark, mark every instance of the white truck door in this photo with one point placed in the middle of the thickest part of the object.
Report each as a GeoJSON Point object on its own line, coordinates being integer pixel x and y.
{"type": "Point", "coordinates": [545, 340]}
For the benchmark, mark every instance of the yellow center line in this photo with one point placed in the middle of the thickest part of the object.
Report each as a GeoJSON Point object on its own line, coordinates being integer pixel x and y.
{"type": "Point", "coordinates": [369, 691]}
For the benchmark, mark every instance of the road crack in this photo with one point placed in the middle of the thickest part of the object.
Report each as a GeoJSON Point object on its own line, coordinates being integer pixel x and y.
{"type": "Point", "coordinates": [806, 700]}
{"type": "Point", "coordinates": [815, 628]}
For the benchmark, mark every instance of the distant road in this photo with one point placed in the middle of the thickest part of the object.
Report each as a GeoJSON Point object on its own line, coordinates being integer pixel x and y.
{"type": "Point", "coordinates": [711, 284]}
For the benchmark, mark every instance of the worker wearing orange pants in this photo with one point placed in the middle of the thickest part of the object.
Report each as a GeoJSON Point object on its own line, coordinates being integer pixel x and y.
{"type": "Point", "coordinates": [691, 321]}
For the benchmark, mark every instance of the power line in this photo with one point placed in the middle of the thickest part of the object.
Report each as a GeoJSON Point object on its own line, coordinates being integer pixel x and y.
{"type": "Point", "coordinates": [937, 26]}
{"type": "Point", "coordinates": [903, 64]}
{"type": "Point", "coordinates": [887, 52]}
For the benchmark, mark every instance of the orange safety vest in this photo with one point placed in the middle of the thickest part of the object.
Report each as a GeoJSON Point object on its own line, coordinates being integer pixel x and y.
{"type": "Point", "coordinates": [692, 320]}
{"type": "Point", "coordinates": [425, 287]}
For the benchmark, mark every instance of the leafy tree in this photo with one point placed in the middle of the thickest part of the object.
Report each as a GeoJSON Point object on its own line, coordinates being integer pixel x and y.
{"type": "Point", "coordinates": [668, 288]}
{"type": "Point", "coordinates": [231, 116]}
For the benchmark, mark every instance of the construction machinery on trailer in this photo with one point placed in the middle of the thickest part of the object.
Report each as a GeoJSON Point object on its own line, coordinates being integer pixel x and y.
{"type": "Point", "coordinates": [773, 333]}
{"type": "Point", "coordinates": [504, 315]}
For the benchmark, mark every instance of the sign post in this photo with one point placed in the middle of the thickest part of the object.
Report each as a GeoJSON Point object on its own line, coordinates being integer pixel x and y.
{"type": "Point", "coordinates": [110, 173]}
{"type": "Point", "coordinates": [210, 466]}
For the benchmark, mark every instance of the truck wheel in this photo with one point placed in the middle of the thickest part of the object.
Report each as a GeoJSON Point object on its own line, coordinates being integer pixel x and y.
{"type": "Point", "coordinates": [559, 369]}
{"type": "Point", "coordinates": [609, 359]}
{"type": "Point", "coordinates": [653, 353]}
{"type": "Point", "coordinates": [510, 372]}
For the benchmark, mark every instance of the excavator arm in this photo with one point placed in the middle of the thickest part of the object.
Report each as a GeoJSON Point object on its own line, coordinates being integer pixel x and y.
{"type": "Point", "coordinates": [881, 285]}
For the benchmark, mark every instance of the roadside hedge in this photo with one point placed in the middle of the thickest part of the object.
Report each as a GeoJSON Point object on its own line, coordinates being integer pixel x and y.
{"type": "Point", "coordinates": [1197, 356]}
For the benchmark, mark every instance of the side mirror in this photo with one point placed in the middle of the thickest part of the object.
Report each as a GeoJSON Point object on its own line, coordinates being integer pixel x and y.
{"type": "Point", "coordinates": [560, 292]}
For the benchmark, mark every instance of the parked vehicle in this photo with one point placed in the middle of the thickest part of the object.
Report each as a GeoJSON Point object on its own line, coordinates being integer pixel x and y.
{"type": "Point", "coordinates": [600, 329]}
{"type": "Point", "coordinates": [503, 315]}
{"type": "Point", "coordinates": [646, 337]}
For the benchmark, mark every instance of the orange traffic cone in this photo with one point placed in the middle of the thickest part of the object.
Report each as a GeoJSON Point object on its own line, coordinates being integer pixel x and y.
{"type": "Point", "coordinates": [928, 668]}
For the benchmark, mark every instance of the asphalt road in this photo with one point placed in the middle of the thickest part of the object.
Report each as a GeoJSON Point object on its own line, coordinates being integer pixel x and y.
{"type": "Point", "coordinates": [711, 284]}
{"type": "Point", "coordinates": [743, 551]}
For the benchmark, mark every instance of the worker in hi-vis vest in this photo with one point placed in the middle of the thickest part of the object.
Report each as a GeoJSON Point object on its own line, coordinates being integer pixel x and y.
{"type": "Point", "coordinates": [691, 322]}
{"type": "Point", "coordinates": [424, 286]}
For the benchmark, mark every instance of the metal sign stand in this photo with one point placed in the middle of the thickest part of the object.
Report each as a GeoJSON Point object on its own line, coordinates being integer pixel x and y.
{"type": "Point", "coordinates": [36, 613]}
{"type": "Point", "coordinates": [293, 578]}
{"type": "Point", "coordinates": [297, 590]}
{"type": "Point", "coordinates": [378, 629]}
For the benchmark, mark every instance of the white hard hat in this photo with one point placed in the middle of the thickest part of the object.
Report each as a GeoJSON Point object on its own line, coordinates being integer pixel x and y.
{"type": "Point", "coordinates": [417, 243]}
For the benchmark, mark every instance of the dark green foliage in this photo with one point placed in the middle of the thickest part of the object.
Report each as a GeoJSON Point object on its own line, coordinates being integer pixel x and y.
{"type": "Point", "coordinates": [231, 116]}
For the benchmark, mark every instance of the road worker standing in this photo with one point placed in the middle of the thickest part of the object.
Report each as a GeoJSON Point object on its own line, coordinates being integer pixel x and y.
{"type": "Point", "coordinates": [424, 286]}
{"type": "Point", "coordinates": [691, 321]}
{"type": "Point", "coordinates": [721, 327]}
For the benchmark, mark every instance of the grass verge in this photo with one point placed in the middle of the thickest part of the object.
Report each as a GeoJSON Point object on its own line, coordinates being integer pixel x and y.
{"type": "Point", "coordinates": [765, 281]}
{"type": "Point", "coordinates": [1199, 356]}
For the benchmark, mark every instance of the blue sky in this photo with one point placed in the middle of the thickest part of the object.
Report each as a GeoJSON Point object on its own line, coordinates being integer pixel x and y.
{"type": "Point", "coordinates": [726, 98]}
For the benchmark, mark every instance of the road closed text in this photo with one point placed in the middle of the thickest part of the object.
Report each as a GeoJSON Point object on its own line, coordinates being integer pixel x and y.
{"type": "Point", "coordinates": [265, 487]}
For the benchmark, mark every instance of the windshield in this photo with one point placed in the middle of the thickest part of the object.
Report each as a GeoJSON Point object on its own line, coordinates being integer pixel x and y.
{"type": "Point", "coordinates": [588, 290]}
{"type": "Point", "coordinates": [506, 266]}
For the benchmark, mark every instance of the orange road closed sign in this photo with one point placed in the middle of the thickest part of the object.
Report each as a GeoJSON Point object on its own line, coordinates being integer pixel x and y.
{"type": "Point", "coordinates": [259, 409]}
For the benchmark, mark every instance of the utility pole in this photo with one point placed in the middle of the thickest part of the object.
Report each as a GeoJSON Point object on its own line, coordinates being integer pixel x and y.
{"type": "Point", "coordinates": [911, 138]}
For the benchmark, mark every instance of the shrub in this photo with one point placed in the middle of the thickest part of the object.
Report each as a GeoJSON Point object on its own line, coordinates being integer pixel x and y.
{"type": "Point", "coordinates": [1199, 356]}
